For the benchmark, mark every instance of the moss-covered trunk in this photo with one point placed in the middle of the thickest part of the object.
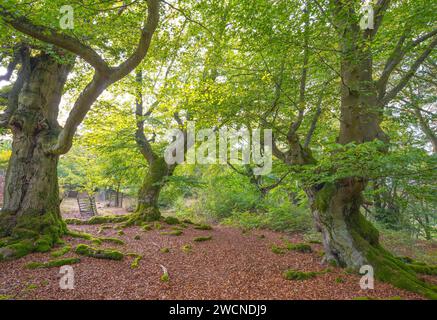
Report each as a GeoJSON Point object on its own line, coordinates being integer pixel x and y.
{"type": "Point", "coordinates": [30, 219]}
{"type": "Point", "coordinates": [148, 195]}
{"type": "Point", "coordinates": [351, 241]}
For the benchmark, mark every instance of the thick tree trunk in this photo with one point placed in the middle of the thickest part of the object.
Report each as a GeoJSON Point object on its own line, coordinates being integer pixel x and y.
{"type": "Point", "coordinates": [30, 219]}
{"type": "Point", "coordinates": [148, 195]}
{"type": "Point", "coordinates": [349, 239]}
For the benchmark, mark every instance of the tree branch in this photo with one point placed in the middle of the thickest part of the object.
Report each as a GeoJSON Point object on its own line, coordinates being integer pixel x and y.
{"type": "Point", "coordinates": [140, 137]}
{"type": "Point", "coordinates": [404, 81]}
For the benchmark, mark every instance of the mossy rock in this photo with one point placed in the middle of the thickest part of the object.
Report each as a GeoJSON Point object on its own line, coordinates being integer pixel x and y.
{"type": "Point", "coordinates": [291, 274]}
{"type": "Point", "coordinates": [52, 263]}
{"type": "Point", "coordinates": [85, 250]}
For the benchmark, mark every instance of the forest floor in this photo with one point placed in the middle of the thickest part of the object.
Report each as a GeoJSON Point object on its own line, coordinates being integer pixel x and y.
{"type": "Point", "coordinates": [232, 265]}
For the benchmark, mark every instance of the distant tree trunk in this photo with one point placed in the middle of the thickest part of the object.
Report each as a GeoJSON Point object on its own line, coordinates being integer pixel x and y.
{"type": "Point", "coordinates": [30, 216]}
{"type": "Point", "coordinates": [148, 195]}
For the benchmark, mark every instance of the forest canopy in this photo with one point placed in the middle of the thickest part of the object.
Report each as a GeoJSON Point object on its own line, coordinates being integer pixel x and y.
{"type": "Point", "coordinates": [337, 99]}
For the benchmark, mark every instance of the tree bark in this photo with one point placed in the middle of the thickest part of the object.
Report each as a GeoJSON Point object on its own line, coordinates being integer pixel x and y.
{"type": "Point", "coordinates": [148, 195]}
{"type": "Point", "coordinates": [30, 218]}
{"type": "Point", "coordinates": [349, 239]}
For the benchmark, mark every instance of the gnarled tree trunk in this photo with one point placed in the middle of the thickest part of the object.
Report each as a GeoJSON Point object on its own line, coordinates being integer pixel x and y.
{"type": "Point", "coordinates": [349, 239]}
{"type": "Point", "coordinates": [30, 219]}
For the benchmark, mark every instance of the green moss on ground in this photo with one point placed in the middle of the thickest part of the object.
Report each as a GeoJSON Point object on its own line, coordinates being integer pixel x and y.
{"type": "Point", "coordinates": [300, 247]}
{"type": "Point", "coordinates": [172, 233]}
{"type": "Point", "coordinates": [137, 258]}
{"type": "Point", "coordinates": [59, 253]}
{"type": "Point", "coordinates": [387, 267]}
{"type": "Point", "coordinates": [95, 240]}
{"type": "Point", "coordinates": [171, 220]}
{"type": "Point", "coordinates": [203, 227]}
{"type": "Point", "coordinates": [164, 250]}
{"type": "Point", "coordinates": [186, 248]}
{"type": "Point", "coordinates": [146, 227]}
{"type": "Point", "coordinates": [111, 254]}
{"type": "Point", "coordinates": [277, 249]}
{"type": "Point", "coordinates": [6, 297]}
{"type": "Point", "coordinates": [201, 239]}
{"type": "Point", "coordinates": [165, 277]}
{"type": "Point", "coordinates": [52, 263]}
{"type": "Point", "coordinates": [291, 274]}
{"type": "Point", "coordinates": [98, 220]}
{"type": "Point", "coordinates": [340, 280]}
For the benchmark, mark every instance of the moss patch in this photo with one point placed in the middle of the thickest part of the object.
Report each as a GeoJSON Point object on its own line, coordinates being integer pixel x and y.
{"type": "Point", "coordinates": [201, 239]}
{"type": "Point", "coordinates": [203, 227]}
{"type": "Point", "coordinates": [291, 274]}
{"type": "Point", "coordinates": [171, 220]}
{"type": "Point", "coordinates": [277, 249]}
{"type": "Point", "coordinates": [186, 248]}
{"type": "Point", "coordinates": [88, 251]}
{"type": "Point", "coordinates": [137, 258]}
{"type": "Point", "coordinates": [300, 247]}
{"type": "Point", "coordinates": [98, 220]}
{"type": "Point", "coordinates": [52, 263]}
{"type": "Point", "coordinates": [172, 233]}
{"type": "Point", "coordinates": [59, 253]}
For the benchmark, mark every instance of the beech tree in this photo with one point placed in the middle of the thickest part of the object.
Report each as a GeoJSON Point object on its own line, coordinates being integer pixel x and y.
{"type": "Point", "coordinates": [30, 217]}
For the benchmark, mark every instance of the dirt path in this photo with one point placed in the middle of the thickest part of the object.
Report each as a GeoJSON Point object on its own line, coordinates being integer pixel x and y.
{"type": "Point", "coordinates": [232, 265]}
